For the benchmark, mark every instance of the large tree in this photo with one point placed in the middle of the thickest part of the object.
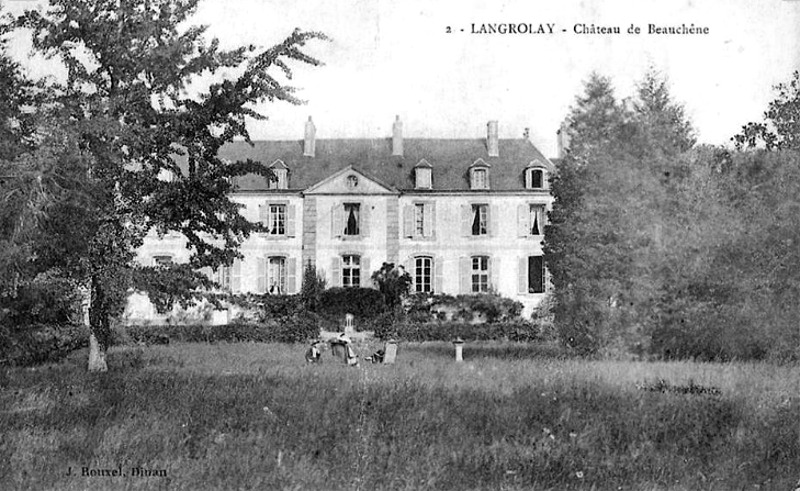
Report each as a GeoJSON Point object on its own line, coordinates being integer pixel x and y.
{"type": "Point", "coordinates": [781, 126]}
{"type": "Point", "coordinates": [605, 242]}
{"type": "Point", "coordinates": [23, 191]}
{"type": "Point", "coordinates": [132, 117]}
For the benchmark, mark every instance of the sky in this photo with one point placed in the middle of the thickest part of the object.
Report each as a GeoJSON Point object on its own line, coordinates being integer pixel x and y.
{"type": "Point", "coordinates": [395, 57]}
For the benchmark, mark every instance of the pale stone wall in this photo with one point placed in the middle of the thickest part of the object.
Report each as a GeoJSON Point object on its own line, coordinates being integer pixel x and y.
{"type": "Point", "coordinates": [314, 238]}
{"type": "Point", "coordinates": [450, 242]}
{"type": "Point", "coordinates": [371, 247]}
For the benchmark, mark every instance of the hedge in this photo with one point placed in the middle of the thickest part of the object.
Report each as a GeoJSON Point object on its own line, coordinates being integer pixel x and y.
{"type": "Point", "coordinates": [292, 329]}
{"type": "Point", "coordinates": [518, 331]}
{"type": "Point", "coordinates": [40, 343]}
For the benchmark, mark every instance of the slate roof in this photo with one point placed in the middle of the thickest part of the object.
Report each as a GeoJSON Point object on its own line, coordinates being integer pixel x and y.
{"type": "Point", "coordinates": [450, 159]}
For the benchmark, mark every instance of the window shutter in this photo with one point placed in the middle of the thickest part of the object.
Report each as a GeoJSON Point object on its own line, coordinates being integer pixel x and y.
{"type": "Point", "coordinates": [438, 282]}
{"type": "Point", "coordinates": [261, 285]}
{"type": "Point", "coordinates": [337, 220]}
{"type": "Point", "coordinates": [491, 227]}
{"type": "Point", "coordinates": [336, 271]}
{"type": "Point", "coordinates": [528, 178]}
{"type": "Point", "coordinates": [263, 214]}
{"type": "Point", "coordinates": [236, 276]}
{"type": "Point", "coordinates": [291, 213]}
{"type": "Point", "coordinates": [465, 265]}
{"type": "Point", "coordinates": [523, 220]}
{"type": "Point", "coordinates": [365, 219]}
{"type": "Point", "coordinates": [291, 275]}
{"type": "Point", "coordinates": [466, 220]}
{"type": "Point", "coordinates": [408, 221]}
{"type": "Point", "coordinates": [522, 275]}
{"type": "Point", "coordinates": [494, 271]}
{"type": "Point", "coordinates": [366, 280]}
{"type": "Point", "coordinates": [429, 216]}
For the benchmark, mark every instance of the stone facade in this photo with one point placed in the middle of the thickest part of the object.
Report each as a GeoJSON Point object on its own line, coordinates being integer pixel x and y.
{"type": "Point", "coordinates": [461, 216]}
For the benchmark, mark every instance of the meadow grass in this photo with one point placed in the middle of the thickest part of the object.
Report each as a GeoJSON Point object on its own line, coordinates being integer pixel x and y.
{"type": "Point", "coordinates": [511, 416]}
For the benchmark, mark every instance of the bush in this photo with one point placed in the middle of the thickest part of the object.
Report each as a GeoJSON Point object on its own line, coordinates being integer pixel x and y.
{"type": "Point", "coordinates": [518, 331]}
{"type": "Point", "coordinates": [489, 307]}
{"type": "Point", "coordinates": [45, 302]}
{"type": "Point", "coordinates": [294, 328]}
{"type": "Point", "coordinates": [365, 304]}
{"type": "Point", "coordinates": [40, 343]}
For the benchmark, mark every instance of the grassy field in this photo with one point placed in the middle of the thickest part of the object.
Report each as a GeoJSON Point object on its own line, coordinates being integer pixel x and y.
{"type": "Point", "coordinates": [255, 416]}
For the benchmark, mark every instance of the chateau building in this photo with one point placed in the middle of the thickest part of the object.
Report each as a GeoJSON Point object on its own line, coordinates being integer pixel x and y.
{"type": "Point", "coordinates": [462, 216]}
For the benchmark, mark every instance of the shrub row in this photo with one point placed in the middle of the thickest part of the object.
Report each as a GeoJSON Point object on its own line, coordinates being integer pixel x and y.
{"type": "Point", "coordinates": [518, 331]}
{"type": "Point", "coordinates": [485, 307]}
{"type": "Point", "coordinates": [40, 343]}
{"type": "Point", "coordinates": [290, 329]}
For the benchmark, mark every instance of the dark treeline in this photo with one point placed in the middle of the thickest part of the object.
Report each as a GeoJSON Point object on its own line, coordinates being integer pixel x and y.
{"type": "Point", "coordinates": [658, 246]}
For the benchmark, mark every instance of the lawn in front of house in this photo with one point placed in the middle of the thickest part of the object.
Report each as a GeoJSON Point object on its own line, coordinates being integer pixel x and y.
{"type": "Point", "coordinates": [511, 416]}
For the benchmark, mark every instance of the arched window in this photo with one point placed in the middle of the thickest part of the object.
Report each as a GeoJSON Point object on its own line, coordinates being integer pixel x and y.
{"type": "Point", "coordinates": [534, 178]}
{"type": "Point", "coordinates": [276, 275]}
{"type": "Point", "coordinates": [423, 274]}
{"type": "Point", "coordinates": [480, 274]}
{"type": "Point", "coordinates": [479, 175]}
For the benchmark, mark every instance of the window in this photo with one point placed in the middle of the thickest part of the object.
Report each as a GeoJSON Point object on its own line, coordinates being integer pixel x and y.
{"type": "Point", "coordinates": [282, 179]}
{"type": "Point", "coordinates": [423, 178]}
{"type": "Point", "coordinates": [276, 219]}
{"type": "Point", "coordinates": [480, 219]}
{"type": "Point", "coordinates": [480, 274]}
{"type": "Point", "coordinates": [164, 261]}
{"type": "Point", "coordinates": [535, 274]}
{"type": "Point", "coordinates": [351, 218]}
{"type": "Point", "coordinates": [536, 222]}
{"type": "Point", "coordinates": [422, 274]}
{"type": "Point", "coordinates": [418, 220]}
{"type": "Point", "coordinates": [480, 178]}
{"type": "Point", "coordinates": [224, 278]}
{"type": "Point", "coordinates": [352, 182]}
{"type": "Point", "coordinates": [351, 271]}
{"type": "Point", "coordinates": [534, 178]}
{"type": "Point", "coordinates": [276, 275]}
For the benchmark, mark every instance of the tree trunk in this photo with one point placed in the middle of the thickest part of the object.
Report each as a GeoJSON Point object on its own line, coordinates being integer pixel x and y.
{"type": "Point", "coordinates": [97, 355]}
{"type": "Point", "coordinates": [93, 311]}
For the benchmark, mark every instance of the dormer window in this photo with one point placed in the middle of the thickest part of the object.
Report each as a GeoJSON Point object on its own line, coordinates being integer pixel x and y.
{"type": "Point", "coordinates": [281, 180]}
{"type": "Point", "coordinates": [534, 178]}
{"type": "Point", "coordinates": [423, 175]}
{"type": "Point", "coordinates": [479, 175]}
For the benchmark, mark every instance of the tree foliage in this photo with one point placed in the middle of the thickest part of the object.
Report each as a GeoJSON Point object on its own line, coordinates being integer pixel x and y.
{"type": "Point", "coordinates": [605, 240]}
{"type": "Point", "coordinates": [133, 116]}
{"type": "Point", "coordinates": [394, 283]}
{"type": "Point", "coordinates": [781, 128]}
{"type": "Point", "coordinates": [659, 246]}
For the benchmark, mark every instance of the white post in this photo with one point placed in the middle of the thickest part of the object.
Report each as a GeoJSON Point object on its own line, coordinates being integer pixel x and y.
{"type": "Point", "coordinates": [459, 344]}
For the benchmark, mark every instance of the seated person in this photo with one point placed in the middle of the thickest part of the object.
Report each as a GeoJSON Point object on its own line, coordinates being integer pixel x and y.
{"type": "Point", "coordinates": [312, 354]}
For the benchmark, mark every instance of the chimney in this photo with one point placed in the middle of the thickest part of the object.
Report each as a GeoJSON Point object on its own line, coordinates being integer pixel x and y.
{"type": "Point", "coordinates": [397, 137]}
{"type": "Point", "coordinates": [563, 140]}
{"type": "Point", "coordinates": [310, 142]}
{"type": "Point", "coordinates": [492, 143]}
